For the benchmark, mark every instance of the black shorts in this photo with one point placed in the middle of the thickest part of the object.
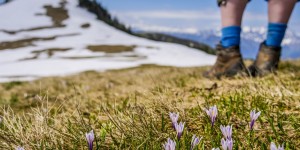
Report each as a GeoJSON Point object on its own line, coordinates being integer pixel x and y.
{"type": "Point", "coordinates": [267, 0]}
{"type": "Point", "coordinates": [221, 1]}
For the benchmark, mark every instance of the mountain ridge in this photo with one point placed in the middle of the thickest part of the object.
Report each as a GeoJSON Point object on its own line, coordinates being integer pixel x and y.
{"type": "Point", "coordinates": [104, 15]}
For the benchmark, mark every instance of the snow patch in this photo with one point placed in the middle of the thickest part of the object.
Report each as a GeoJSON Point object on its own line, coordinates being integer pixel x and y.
{"type": "Point", "coordinates": [27, 14]}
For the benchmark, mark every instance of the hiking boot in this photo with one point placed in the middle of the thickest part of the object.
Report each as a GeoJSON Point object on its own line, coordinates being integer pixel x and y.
{"type": "Point", "coordinates": [229, 62]}
{"type": "Point", "coordinates": [267, 60]}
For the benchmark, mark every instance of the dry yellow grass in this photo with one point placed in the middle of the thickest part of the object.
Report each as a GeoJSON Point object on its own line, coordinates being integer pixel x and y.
{"type": "Point", "coordinates": [129, 108]}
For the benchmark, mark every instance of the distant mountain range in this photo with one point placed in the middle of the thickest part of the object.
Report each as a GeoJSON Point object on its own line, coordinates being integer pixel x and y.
{"type": "Point", "coordinates": [251, 38]}
{"type": "Point", "coordinates": [104, 15]}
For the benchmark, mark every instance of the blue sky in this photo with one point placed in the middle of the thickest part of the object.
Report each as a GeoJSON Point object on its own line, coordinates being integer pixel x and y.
{"type": "Point", "coordinates": [187, 15]}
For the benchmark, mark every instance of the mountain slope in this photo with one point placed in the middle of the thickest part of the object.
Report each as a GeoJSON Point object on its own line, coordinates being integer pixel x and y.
{"type": "Point", "coordinates": [52, 37]}
{"type": "Point", "coordinates": [132, 106]}
{"type": "Point", "coordinates": [103, 14]}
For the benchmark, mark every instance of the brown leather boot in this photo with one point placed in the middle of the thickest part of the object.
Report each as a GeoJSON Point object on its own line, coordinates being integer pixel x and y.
{"type": "Point", "coordinates": [229, 63]}
{"type": "Point", "coordinates": [266, 61]}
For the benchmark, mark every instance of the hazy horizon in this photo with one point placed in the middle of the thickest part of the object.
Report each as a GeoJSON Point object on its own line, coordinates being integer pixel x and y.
{"type": "Point", "coordinates": [187, 16]}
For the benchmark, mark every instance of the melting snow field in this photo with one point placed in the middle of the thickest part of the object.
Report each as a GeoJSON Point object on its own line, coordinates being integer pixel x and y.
{"type": "Point", "coordinates": [33, 44]}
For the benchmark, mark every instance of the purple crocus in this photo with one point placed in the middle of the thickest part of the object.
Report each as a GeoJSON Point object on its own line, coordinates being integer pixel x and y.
{"type": "Point", "coordinates": [230, 144]}
{"type": "Point", "coordinates": [90, 139]}
{"type": "Point", "coordinates": [253, 116]}
{"type": "Point", "coordinates": [179, 129]}
{"type": "Point", "coordinates": [226, 131]}
{"type": "Point", "coordinates": [212, 112]}
{"type": "Point", "coordinates": [170, 145]}
{"type": "Point", "coordinates": [195, 141]}
{"type": "Point", "coordinates": [20, 148]}
{"type": "Point", "coordinates": [274, 147]}
{"type": "Point", "coordinates": [227, 144]}
{"type": "Point", "coordinates": [174, 118]}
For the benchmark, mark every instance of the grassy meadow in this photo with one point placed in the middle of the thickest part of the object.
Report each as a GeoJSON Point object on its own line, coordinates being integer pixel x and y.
{"type": "Point", "coordinates": [129, 109]}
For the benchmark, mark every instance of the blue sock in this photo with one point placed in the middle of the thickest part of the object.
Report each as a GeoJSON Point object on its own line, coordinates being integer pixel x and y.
{"type": "Point", "coordinates": [276, 32]}
{"type": "Point", "coordinates": [231, 36]}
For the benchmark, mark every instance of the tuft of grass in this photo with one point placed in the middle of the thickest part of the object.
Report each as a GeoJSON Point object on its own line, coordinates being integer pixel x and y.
{"type": "Point", "coordinates": [128, 109]}
{"type": "Point", "coordinates": [10, 85]}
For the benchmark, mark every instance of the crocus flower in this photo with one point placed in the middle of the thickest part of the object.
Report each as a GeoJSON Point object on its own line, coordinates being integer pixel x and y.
{"type": "Point", "coordinates": [227, 144]}
{"type": "Point", "coordinates": [230, 144]}
{"type": "Point", "coordinates": [90, 139]}
{"type": "Point", "coordinates": [174, 118]}
{"type": "Point", "coordinates": [20, 148]}
{"type": "Point", "coordinates": [253, 116]}
{"type": "Point", "coordinates": [226, 131]}
{"type": "Point", "coordinates": [195, 141]}
{"type": "Point", "coordinates": [224, 144]}
{"type": "Point", "coordinates": [274, 147]}
{"type": "Point", "coordinates": [212, 112]}
{"type": "Point", "coordinates": [169, 145]}
{"type": "Point", "coordinates": [179, 129]}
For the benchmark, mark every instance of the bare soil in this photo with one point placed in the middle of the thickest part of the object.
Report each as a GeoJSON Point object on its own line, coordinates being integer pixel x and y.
{"type": "Point", "coordinates": [110, 48]}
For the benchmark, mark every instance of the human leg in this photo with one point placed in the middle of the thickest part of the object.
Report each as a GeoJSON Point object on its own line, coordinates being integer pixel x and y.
{"type": "Point", "coordinates": [232, 14]}
{"type": "Point", "coordinates": [269, 54]}
{"type": "Point", "coordinates": [229, 60]}
{"type": "Point", "coordinates": [279, 12]}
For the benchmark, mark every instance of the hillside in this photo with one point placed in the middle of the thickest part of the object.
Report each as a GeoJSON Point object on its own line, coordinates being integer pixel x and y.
{"type": "Point", "coordinates": [103, 14]}
{"type": "Point", "coordinates": [128, 109]}
{"type": "Point", "coordinates": [54, 38]}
